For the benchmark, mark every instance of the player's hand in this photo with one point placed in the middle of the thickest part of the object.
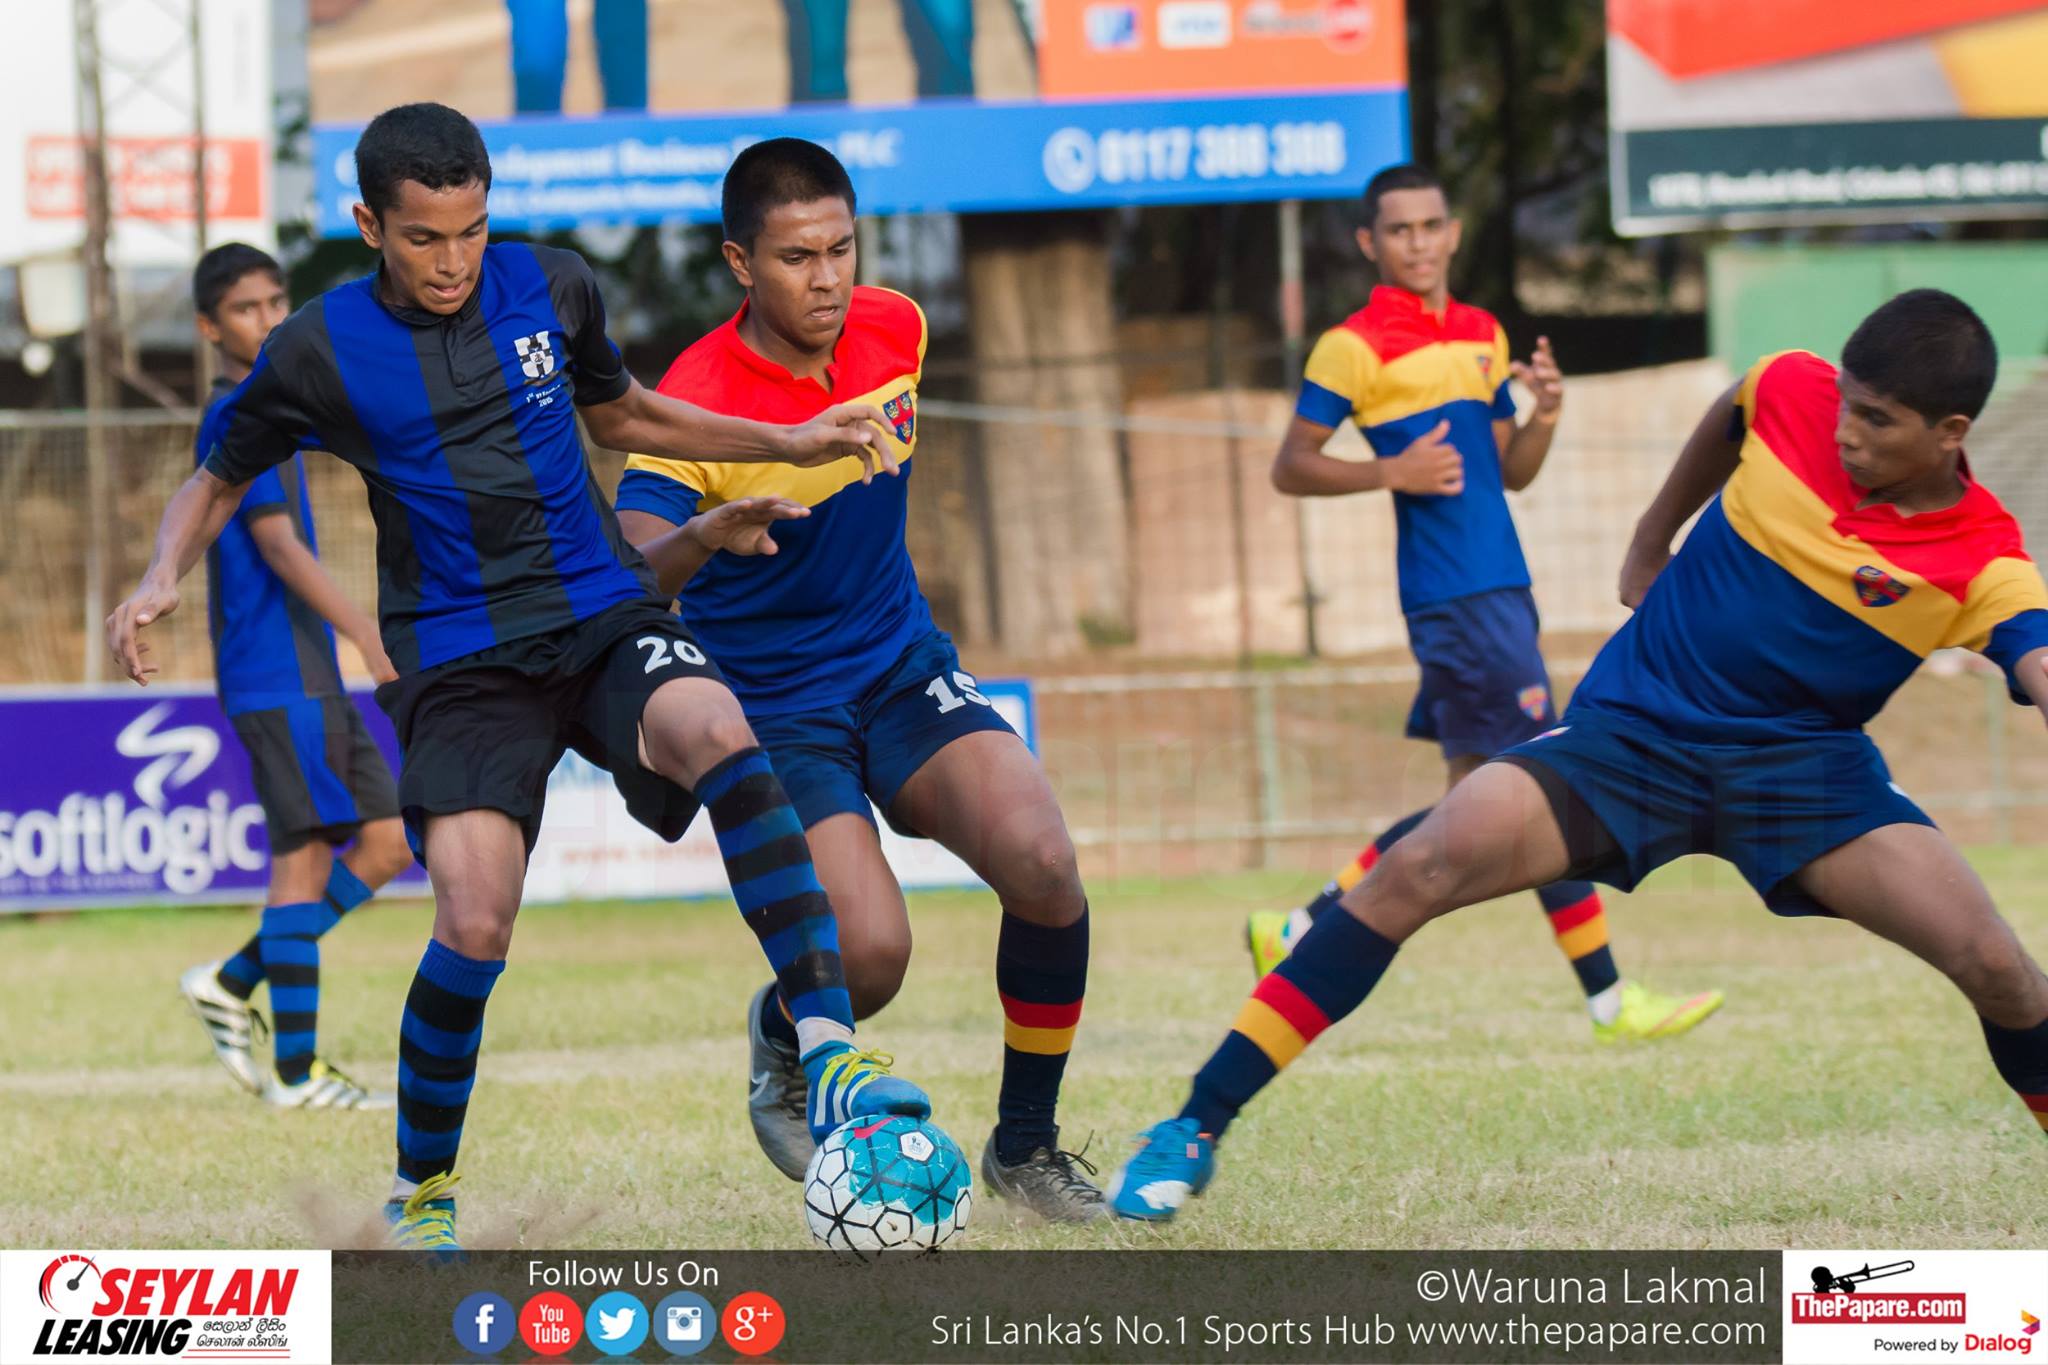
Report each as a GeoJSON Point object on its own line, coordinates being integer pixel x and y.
{"type": "Point", "coordinates": [151, 602]}
{"type": "Point", "coordinates": [1430, 465]}
{"type": "Point", "coordinates": [376, 660]}
{"type": "Point", "coordinates": [1541, 377]}
{"type": "Point", "coordinates": [741, 527]}
{"type": "Point", "coordinates": [841, 431]}
{"type": "Point", "coordinates": [1639, 569]}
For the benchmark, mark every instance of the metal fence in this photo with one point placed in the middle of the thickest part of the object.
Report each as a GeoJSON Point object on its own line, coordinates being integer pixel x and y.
{"type": "Point", "coordinates": [1221, 670]}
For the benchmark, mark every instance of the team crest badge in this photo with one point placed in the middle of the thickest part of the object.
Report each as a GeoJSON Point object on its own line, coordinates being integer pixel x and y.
{"type": "Point", "coordinates": [1534, 701]}
{"type": "Point", "coordinates": [1485, 366]}
{"type": "Point", "coordinates": [1876, 588]}
{"type": "Point", "coordinates": [902, 414]}
{"type": "Point", "coordinates": [536, 357]}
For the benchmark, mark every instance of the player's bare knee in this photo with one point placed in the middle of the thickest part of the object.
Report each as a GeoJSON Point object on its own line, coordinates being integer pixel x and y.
{"type": "Point", "coordinates": [1999, 980]}
{"type": "Point", "coordinates": [1416, 873]}
{"type": "Point", "coordinates": [381, 853]}
{"type": "Point", "coordinates": [685, 749]}
{"type": "Point", "coordinates": [1041, 879]}
{"type": "Point", "coordinates": [874, 973]}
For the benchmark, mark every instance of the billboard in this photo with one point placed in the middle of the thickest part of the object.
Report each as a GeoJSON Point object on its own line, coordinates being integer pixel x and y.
{"type": "Point", "coordinates": [629, 111]}
{"type": "Point", "coordinates": [146, 82]}
{"type": "Point", "coordinates": [134, 797]}
{"type": "Point", "coordinates": [143, 797]}
{"type": "Point", "coordinates": [1748, 113]}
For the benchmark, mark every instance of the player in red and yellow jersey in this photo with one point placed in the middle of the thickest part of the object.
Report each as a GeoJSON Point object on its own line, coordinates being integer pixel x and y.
{"type": "Point", "coordinates": [814, 614]}
{"type": "Point", "coordinates": [1425, 378]}
{"type": "Point", "coordinates": [1842, 541]}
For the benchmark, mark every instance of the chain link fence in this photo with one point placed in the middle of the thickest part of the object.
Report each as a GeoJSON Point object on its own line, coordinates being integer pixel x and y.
{"type": "Point", "coordinates": [1224, 678]}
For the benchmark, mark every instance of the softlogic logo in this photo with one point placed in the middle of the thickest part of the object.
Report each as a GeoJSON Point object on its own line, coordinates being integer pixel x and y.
{"type": "Point", "coordinates": [103, 835]}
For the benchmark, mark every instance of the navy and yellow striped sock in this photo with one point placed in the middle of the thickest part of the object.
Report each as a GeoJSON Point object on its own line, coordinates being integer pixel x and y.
{"type": "Point", "coordinates": [437, 1046]}
{"type": "Point", "coordinates": [1580, 923]}
{"type": "Point", "coordinates": [2021, 1056]}
{"type": "Point", "coordinates": [290, 941]}
{"type": "Point", "coordinates": [1354, 872]}
{"type": "Point", "coordinates": [1041, 977]}
{"type": "Point", "coordinates": [769, 865]}
{"type": "Point", "coordinates": [1330, 972]}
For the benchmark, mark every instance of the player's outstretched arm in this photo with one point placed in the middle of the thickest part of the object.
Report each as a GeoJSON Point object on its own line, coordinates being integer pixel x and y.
{"type": "Point", "coordinates": [675, 553]}
{"type": "Point", "coordinates": [192, 520]}
{"type": "Point", "coordinates": [1430, 464]}
{"type": "Point", "coordinates": [1709, 459]}
{"type": "Point", "coordinates": [293, 561]}
{"type": "Point", "coordinates": [643, 420]}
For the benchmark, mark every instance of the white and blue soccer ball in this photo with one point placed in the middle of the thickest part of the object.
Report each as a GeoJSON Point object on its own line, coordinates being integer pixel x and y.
{"type": "Point", "coordinates": [887, 1183]}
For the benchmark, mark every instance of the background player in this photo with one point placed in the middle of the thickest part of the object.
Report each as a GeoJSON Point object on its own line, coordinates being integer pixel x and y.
{"type": "Point", "coordinates": [1842, 514]}
{"type": "Point", "coordinates": [318, 774]}
{"type": "Point", "coordinates": [830, 646]}
{"type": "Point", "coordinates": [519, 620]}
{"type": "Point", "coordinates": [1426, 379]}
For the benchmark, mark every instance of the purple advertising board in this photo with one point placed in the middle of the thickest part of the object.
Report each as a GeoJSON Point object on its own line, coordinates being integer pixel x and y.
{"type": "Point", "coordinates": [133, 797]}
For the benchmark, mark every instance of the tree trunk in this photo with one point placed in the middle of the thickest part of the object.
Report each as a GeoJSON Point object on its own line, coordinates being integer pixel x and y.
{"type": "Point", "coordinates": [1038, 297]}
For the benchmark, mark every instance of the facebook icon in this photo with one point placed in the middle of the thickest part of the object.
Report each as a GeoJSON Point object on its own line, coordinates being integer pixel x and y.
{"type": "Point", "coordinates": [485, 1323]}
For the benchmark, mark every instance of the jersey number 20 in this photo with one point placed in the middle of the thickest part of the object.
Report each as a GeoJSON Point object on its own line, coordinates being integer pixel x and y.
{"type": "Point", "coordinates": [658, 655]}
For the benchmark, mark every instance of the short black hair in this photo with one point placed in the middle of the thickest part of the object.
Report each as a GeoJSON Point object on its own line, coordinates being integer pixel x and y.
{"type": "Point", "coordinates": [1405, 175]}
{"type": "Point", "coordinates": [767, 175]}
{"type": "Point", "coordinates": [430, 143]}
{"type": "Point", "coordinates": [1928, 350]}
{"type": "Point", "coordinates": [222, 268]}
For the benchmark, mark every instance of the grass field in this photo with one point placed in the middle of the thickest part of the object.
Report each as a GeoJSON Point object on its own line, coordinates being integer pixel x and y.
{"type": "Point", "coordinates": [1842, 1098]}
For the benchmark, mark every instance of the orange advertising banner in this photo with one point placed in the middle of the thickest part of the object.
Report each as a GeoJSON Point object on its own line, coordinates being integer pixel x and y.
{"type": "Point", "coordinates": [147, 177]}
{"type": "Point", "coordinates": [1095, 48]}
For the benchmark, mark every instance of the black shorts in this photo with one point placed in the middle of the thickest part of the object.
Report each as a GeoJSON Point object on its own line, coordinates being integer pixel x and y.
{"type": "Point", "coordinates": [484, 731]}
{"type": "Point", "coordinates": [318, 773]}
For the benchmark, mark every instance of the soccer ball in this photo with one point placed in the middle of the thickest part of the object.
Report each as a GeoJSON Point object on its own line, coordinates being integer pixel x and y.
{"type": "Point", "coordinates": [887, 1183]}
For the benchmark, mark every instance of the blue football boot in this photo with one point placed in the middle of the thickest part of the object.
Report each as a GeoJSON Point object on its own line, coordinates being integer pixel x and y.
{"type": "Point", "coordinates": [1174, 1162]}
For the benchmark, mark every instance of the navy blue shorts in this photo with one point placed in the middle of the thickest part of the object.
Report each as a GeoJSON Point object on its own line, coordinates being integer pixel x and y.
{"type": "Point", "coordinates": [856, 756]}
{"type": "Point", "coordinates": [1484, 686]}
{"type": "Point", "coordinates": [1630, 800]}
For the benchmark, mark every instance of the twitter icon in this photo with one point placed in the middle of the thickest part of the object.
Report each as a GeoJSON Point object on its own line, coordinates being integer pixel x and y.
{"type": "Point", "coordinates": [616, 1323]}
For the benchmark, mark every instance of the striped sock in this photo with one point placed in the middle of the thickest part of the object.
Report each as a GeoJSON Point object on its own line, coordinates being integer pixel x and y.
{"type": "Point", "coordinates": [1580, 923]}
{"type": "Point", "coordinates": [1330, 972]}
{"type": "Point", "coordinates": [240, 974]}
{"type": "Point", "coordinates": [769, 866]}
{"type": "Point", "coordinates": [290, 941]}
{"type": "Point", "coordinates": [2021, 1056]}
{"type": "Point", "coordinates": [1354, 872]}
{"type": "Point", "coordinates": [775, 1020]}
{"type": "Point", "coordinates": [437, 1045]}
{"type": "Point", "coordinates": [1041, 976]}
{"type": "Point", "coordinates": [345, 891]}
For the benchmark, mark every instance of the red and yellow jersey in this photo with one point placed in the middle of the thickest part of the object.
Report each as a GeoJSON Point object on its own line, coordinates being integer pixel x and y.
{"type": "Point", "coordinates": [1398, 369]}
{"type": "Point", "coordinates": [818, 621]}
{"type": "Point", "coordinates": [1790, 609]}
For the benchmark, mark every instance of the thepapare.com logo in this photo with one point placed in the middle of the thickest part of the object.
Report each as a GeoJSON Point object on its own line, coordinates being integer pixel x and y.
{"type": "Point", "coordinates": [135, 1308]}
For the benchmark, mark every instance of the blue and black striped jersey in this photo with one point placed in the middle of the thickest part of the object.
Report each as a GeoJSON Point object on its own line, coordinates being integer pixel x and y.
{"type": "Point", "coordinates": [269, 648]}
{"type": "Point", "coordinates": [490, 524]}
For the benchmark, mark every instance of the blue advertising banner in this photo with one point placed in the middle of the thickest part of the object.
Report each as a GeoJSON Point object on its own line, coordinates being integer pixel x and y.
{"type": "Point", "coordinates": [134, 797]}
{"type": "Point", "coordinates": [962, 156]}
